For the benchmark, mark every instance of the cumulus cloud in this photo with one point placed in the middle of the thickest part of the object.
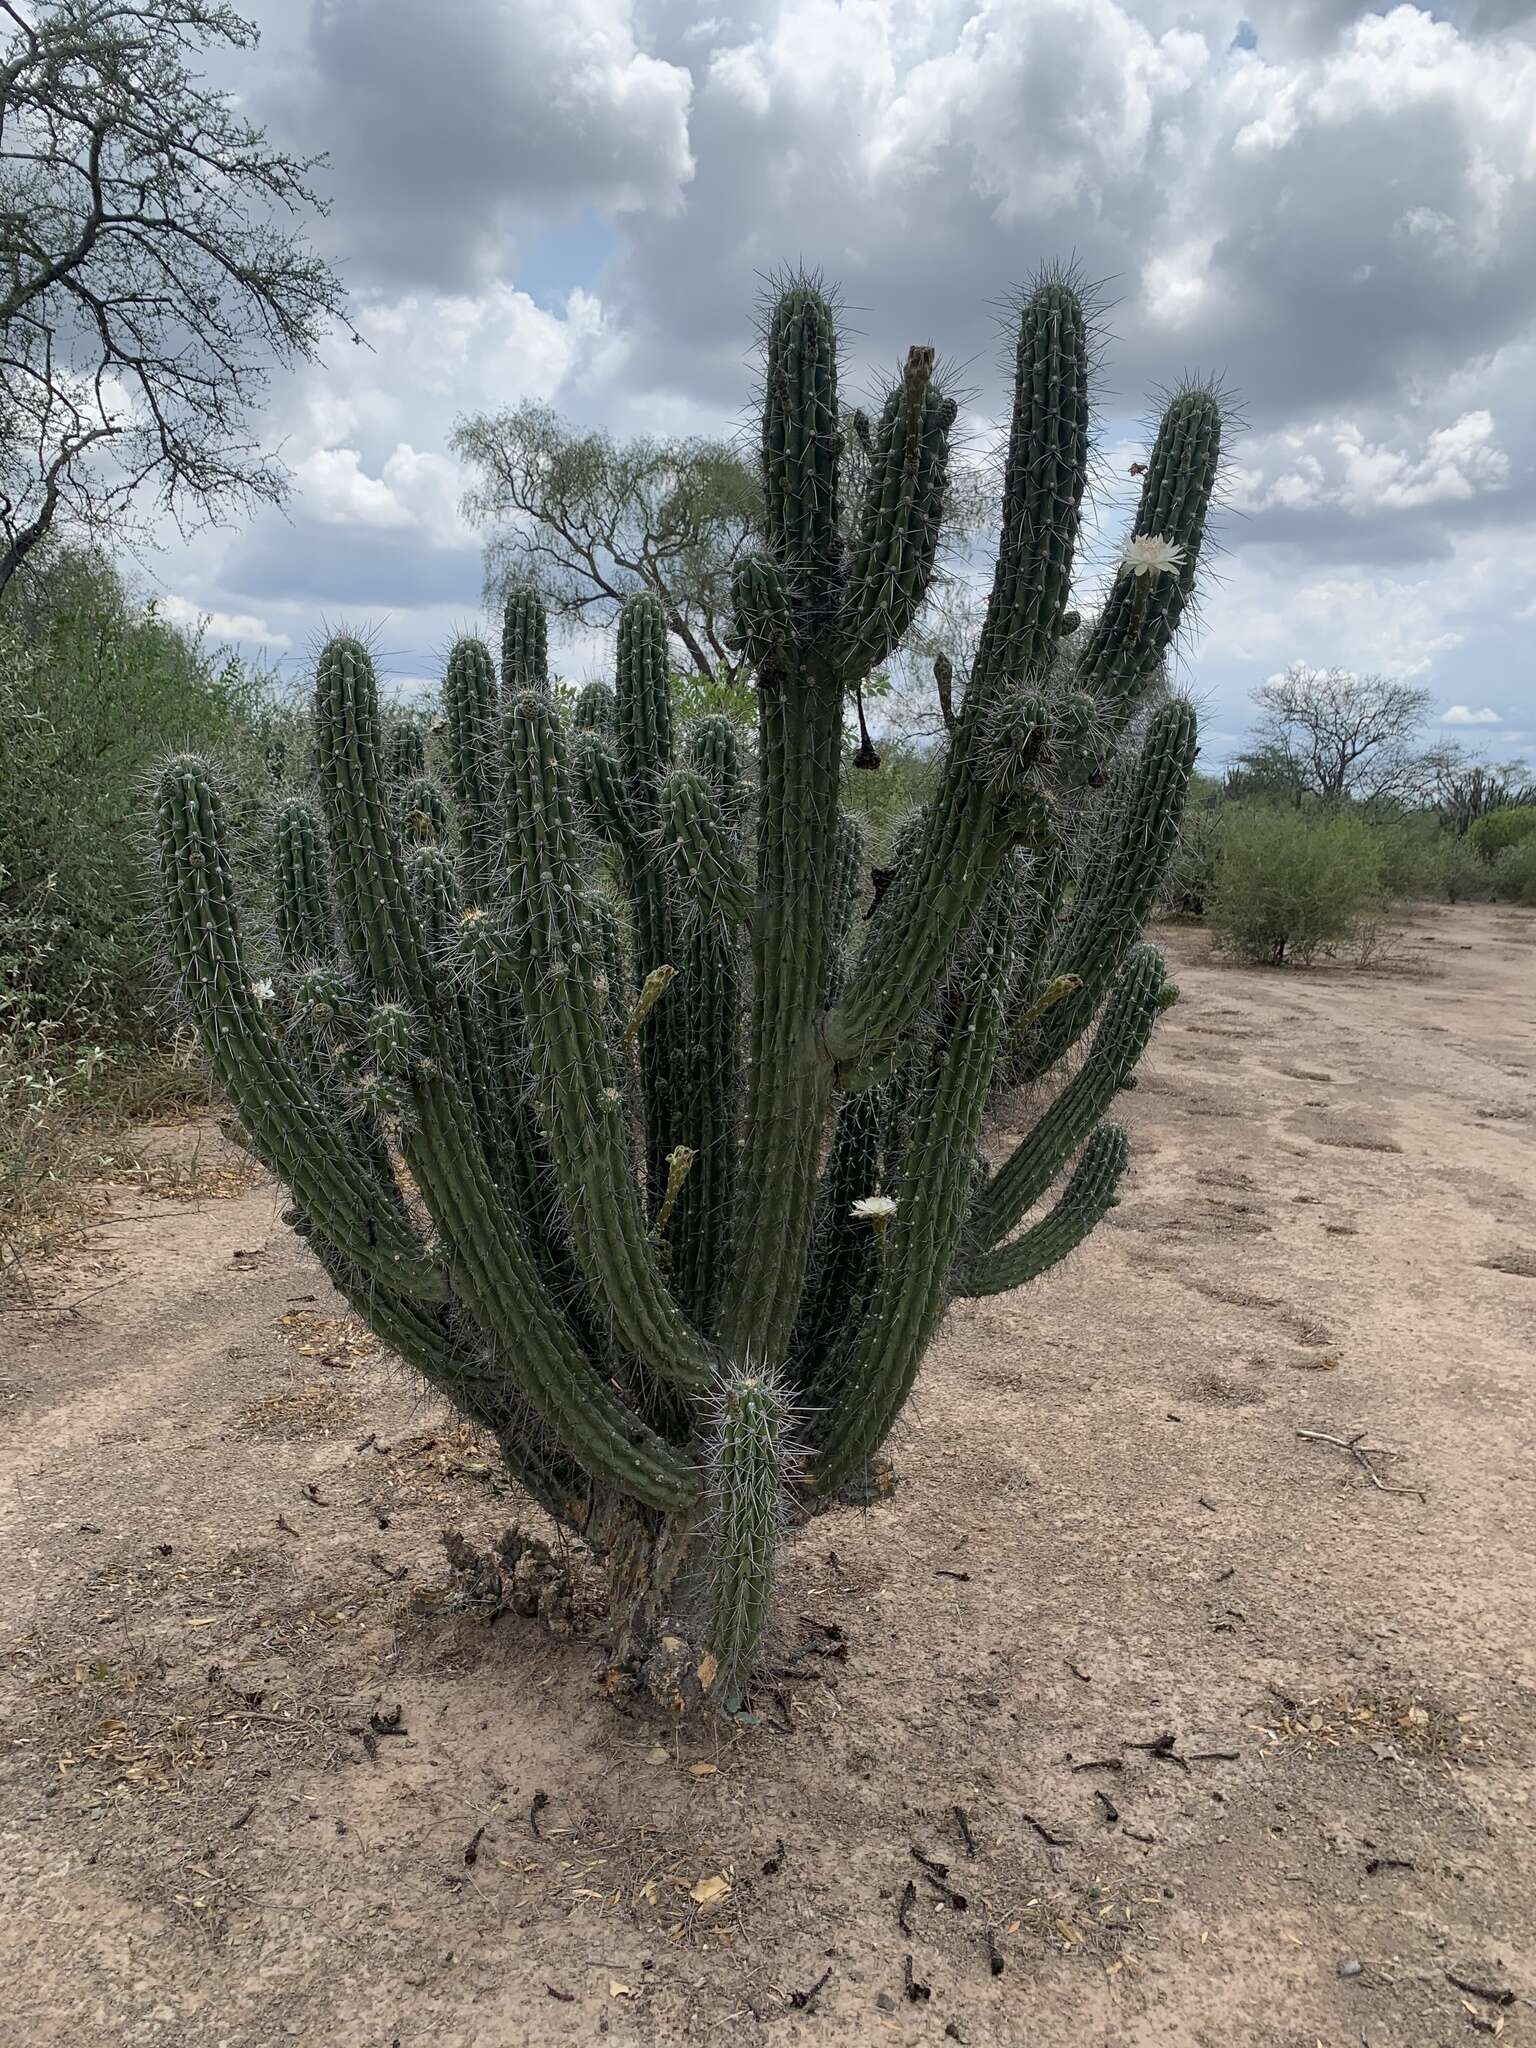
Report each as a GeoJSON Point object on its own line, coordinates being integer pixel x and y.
{"type": "Point", "coordinates": [577, 200]}
{"type": "Point", "coordinates": [1462, 714]}
{"type": "Point", "coordinates": [228, 626]}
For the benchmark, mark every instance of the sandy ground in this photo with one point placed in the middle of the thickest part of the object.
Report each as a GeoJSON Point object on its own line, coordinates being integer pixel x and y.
{"type": "Point", "coordinates": [261, 1781]}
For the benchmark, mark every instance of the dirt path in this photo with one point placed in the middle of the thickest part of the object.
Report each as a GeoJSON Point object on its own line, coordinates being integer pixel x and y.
{"type": "Point", "coordinates": [260, 1783]}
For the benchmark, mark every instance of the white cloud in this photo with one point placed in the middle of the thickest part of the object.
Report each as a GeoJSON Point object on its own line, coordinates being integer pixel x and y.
{"type": "Point", "coordinates": [1462, 714]}
{"type": "Point", "coordinates": [181, 611]}
{"type": "Point", "coordinates": [1336, 463]}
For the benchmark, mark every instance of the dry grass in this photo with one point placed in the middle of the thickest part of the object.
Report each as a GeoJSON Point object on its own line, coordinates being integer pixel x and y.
{"type": "Point", "coordinates": [1392, 1726]}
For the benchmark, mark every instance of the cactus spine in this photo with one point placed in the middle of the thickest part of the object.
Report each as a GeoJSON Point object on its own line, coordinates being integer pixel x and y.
{"type": "Point", "coordinates": [700, 1145]}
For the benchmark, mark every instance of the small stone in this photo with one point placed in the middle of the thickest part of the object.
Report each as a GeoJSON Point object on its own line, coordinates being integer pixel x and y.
{"type": "Point", "coordinates": [1349, 1969]}
{"type": "Point", "coordinates": [885, 2002]}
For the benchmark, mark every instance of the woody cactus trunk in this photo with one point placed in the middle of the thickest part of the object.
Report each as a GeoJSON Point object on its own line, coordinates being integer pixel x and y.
{"type": "Point", "coordinates": [596, 1095]}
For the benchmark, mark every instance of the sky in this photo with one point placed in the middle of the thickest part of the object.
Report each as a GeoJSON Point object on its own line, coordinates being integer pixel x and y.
{"type": "Point", "coordinates": [576, 201]}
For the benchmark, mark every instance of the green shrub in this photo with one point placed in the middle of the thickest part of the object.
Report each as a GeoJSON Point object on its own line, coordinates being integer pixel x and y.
{"type": "Point", "coordinates": [1290, 885]}
{"type": "Point", "coordinates": [1191, 876]}
{"type": "Point", "coordinates": [1514, 873]}
{"type": "Point", "coordinates": [1491, 835]}
{"type": "Point", "coordinates": [94, 689]}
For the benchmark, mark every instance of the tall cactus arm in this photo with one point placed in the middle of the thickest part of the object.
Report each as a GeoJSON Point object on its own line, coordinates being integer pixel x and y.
{"type": "Point", "coordinates": [644, 720]}
{"type": "Point", "coordinates": [842, 901]}
{"type": "Point", "coordinates": [406, 752]}
{"type": "Point", "coordinates": [469, 712]}
{"type": "Point", "coordinates": [919, 1245]}
{"type": "Point", "coordinates": [524, 642]}
{"type": "Point", "coordinates": [712, 882]}
{"type": "Point", "coordinates": [713, 899]}
{"type": "Point", "coordinates": [974, 813]}
{"type": "Point", "coordinates": [1141, 615]}
{"type": "Point", "coordinates": [799, 751]}
{"type": "Point", "coordinates": [903, 509]}
{"type": "Point", "coordinates": [714, 751]}
{"type": "Point", "coordinates": [304, 932]}
{"type": "Point", "coordinates": [560, 963]}
{"type": "Point", "coordinates": [1113, 903]}
{"type": "Point", "coordinates": [1043, 486]}
{"type": "Point", "coordinates": [801, 443]}
{"type": "Point", "coordinates": [1118, 1043]}
{"type": "Point", "coordinates": [493, 1268]}
{"type": "Point", "coordinates": [290, 1128]}
{"type": "Point", "coordinates": [843, 1248]}
{"type": "Point", "coordinates": [1086, 1199]}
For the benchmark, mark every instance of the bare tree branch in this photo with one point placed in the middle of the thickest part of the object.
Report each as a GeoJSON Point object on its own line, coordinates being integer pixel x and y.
{"type": "Point", "coordinates": [1343, 737]}
{"type": "Point", "coordinates": [153, 269]}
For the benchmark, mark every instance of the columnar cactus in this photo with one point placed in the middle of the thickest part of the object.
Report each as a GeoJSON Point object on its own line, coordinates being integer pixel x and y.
{"type": "Point", "coordinates": [702, 1146]}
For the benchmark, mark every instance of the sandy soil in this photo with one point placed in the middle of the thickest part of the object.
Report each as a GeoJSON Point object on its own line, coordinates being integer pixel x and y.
{"type": "Point", "coordinates": [261, 1780]}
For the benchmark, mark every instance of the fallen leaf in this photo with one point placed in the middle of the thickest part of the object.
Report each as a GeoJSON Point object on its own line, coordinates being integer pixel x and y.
{"type": "Point", "coordinates": [659, 1755]}
{"type": "Point", "coordinates": [703, 1770]}
{"type": "Point", "coordinates": [709, 1667]}
{"type": "Point", "coordinates": [618, 1990]}
{"type": "Point", "coordinates": [710, 1890]}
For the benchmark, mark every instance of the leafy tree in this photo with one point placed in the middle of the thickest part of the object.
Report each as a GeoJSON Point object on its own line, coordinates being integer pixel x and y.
{"type": "Point", "coordinates": [590, 520]}
{"type": "Point", "coordinates": [153, 268]}
{"type": "Point", "coordinates": [94, 686]}
{"type": "Point", "coordinates": [1342, 737]}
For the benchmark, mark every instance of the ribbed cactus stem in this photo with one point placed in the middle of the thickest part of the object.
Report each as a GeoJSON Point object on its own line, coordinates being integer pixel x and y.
{"type": "Point", "coordinates": [1113, 902]}
{"type": "Point", "coordinates": [1084, 1202]}
{"type": "Point", "coordinates": [474, 765]}
{"type": "Point", "coordinates": [1118, 1043]}
{"type": "Point", "coordinates": [746, 1505]}
{"type": "Point", "coordinates": [303, 892]}
{"type": "Point", "coordinates": [524, 642]}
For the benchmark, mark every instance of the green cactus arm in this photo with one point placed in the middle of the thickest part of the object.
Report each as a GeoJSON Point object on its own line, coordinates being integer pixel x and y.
{"type": "Point", "coordinates": [1087, 1198]}
{"type": "Point", "coordinates": [1119, 1042]}
{"type": "Point", "coordinates": [745, 1506]}
{"type": "Point", "coordinates": [932, 1193]}
{"type": "Point", "coordinates": [290, 1128]}
{"type": "Point", "coordinates": [524, 642]}
{"type": "Point", "coordinates": [1112, 904]}
{"type": "Point", "coordinates": [595, 709]}
{"type": "Point", "coordinates": [559, 957]}
{"type": "Point", "coordinates": [469, 715]}
{"type": "Point", "coordinates": [644, 721]}
{"type": "Point", "coordinates": [1141, 615]}
{"type": "Point", "coordinates": [1043, 486]}
{"type": "Point", "coordinates": [979, 809]}
{"type": "Point", "coordinates": [492, 1265]}
{"type": "Point", "coordinates": [842, 1246]}
{"type": "Point", "coordinates": [406, 752]}
{"type": "Point", "coordinates": [712, 881]}
{"type": "Point", "coordinates": [898, 533]}
{"type": "Point", "coordinates": [790, 1086]}
{"type": "Point", "coordinates": [714, 900]}
{"type": "Point", "coordinates": [423, 812]}
{"type": "Point", "coordinates": [304, 930]}
{"type": "Point", "coordinates": [801, 443]}
{"type": "Point", "coordinates": [842, 901]}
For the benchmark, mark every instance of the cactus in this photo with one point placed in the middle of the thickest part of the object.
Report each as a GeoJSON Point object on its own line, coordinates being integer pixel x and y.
{"type": "Point", "coordinates": [700, 1143]}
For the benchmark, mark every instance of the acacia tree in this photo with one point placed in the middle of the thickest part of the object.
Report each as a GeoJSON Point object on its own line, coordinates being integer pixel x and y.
{"type": "Point", "coordinates": [153, 268]}
{"type": "Point", "coordinates": [1341, 737]}
{"type": "Point", "coordinates": [589, 520]}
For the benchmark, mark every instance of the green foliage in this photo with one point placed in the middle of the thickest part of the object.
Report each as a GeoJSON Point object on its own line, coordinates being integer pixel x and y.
{"type": "Point", "coordinates": [1514, 873]}
{"type": "Point", "coordinates": [1498, 830]}
{"type": "Point", "coordinates": [94, 687]}
{"type": "Point", "coordinates": [700, 1144]}
{"type": "Point", "coordinates": [1290, 885]}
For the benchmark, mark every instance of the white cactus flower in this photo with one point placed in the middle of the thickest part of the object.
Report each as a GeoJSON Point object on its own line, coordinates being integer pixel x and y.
{"type": "Point", "coordinates": [1150, 555]}
{"type": "Point", "coordinates": [263, 991]}
{"type": "Point", "coordinates": [874, 1208]}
